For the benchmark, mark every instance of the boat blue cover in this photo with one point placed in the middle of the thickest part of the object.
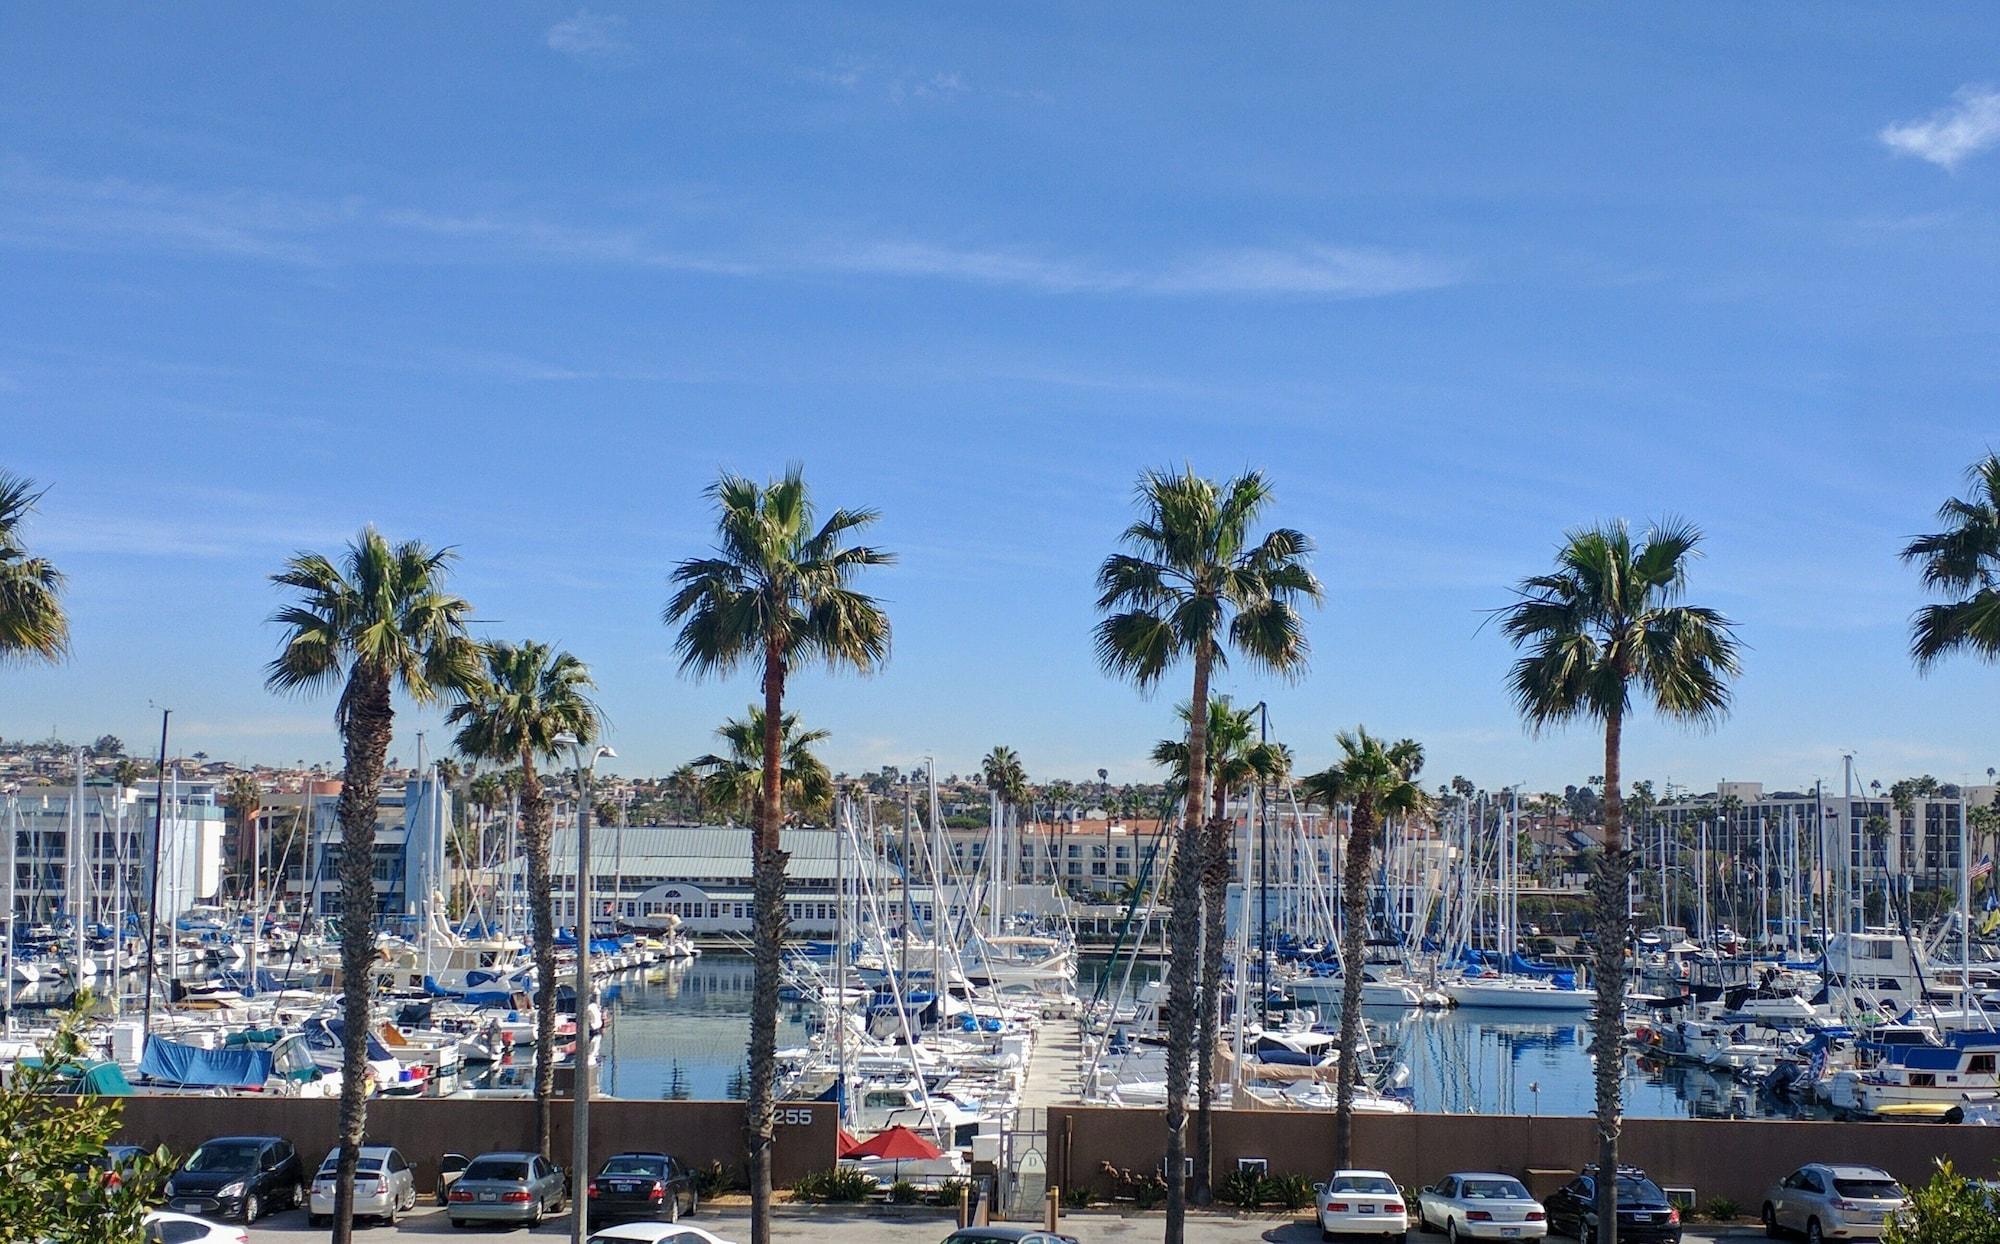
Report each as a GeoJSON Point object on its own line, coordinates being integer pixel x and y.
{"type": "Point", "coordinates": [169, 1062]}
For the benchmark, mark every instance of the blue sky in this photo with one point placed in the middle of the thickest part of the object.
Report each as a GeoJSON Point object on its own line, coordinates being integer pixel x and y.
{"type": "Point", "coordinates": [522, 278]}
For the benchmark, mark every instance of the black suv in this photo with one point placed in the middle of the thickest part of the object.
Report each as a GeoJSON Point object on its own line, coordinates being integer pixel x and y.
{"type": "Point", "coordinates": [642, 1185]}
{"type": "Point", "coordinates": [238, 1177]}
{"type": "Point", "coordinates": [1645, 1216]}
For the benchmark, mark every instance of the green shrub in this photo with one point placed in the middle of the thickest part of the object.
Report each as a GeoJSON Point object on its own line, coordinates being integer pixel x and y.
{"type": "Point", "coordinates": [1950, 1209]}
{"type": "Point", "coordinates": [1285, 1191]}
{"type": "Point", "coordinates": [843, 1185]}
{"type": "Point", "coordinates": [713, 1180]}
{"type": "Point", "coordinates": [1149, 1195]}
{"type": "Point", "coordinates": [1242, 1189]}
{"type": "Point", "coordinates": [903, 1192]}
{"type": "Point", "coordinates": [1078, 1198]}
{"type": "Point", "coordinates": [946, 1193]}
{"type": "Point", "coordinates": [1720, 1209]}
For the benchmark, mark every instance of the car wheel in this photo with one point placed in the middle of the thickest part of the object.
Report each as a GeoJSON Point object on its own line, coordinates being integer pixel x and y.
{"type": "Point", "coordinates": [316, 1220]}
{"type": "Point", "coordinates": [674, 1208]}
{"type": "Point", "coordinates": [458, 1224]}
{"type": "Point", "coordinates": [1771, 1228]}
{"type": "Point", "coordinates": [536, 1220]}
{"type": "Point", "coordinates": [1813, 1235]}
{"type": "Point", "coordinates": [1586, 1233]}
{"type": "Point", "coordinates": [1325, 1235]}
{"type": "Point", "coordinates": [395, 1214]}
{"type": "Point", "coordinates": [252, 1207]}
{"type": "Point", "coordinates": [694, 1201]}
{"type": "Point", "coordinates": [1451, 1230]}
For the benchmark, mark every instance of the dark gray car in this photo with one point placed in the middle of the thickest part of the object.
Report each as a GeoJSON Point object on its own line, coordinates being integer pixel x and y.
{"type": "Point", "coordinates": [519, 1188]}
{"type": "Point", "coordinates": [641, 1185]}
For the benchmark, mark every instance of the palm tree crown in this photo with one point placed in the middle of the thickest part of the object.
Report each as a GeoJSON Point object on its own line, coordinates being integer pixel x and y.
{"type": "Point", "coordinates": [527, 695]}
{"type": "Point", "coordinates": [1193, 570]}
{"type": "Point", "coordinates": [1004, 775]}
{"type": "Point", "coordinates": [32, 621]}
{"type": "Point", "coordinates": [1234, 755]}
{"type": "Point", "coordinates": [1610, 615]}
{"type": "Point", "coordinates": [733, 779]}
{"type": "Point", "coordinates": [1964, 560]}
{"type": "Point", "coordinates": [1382, 775]}
{"type": "Point", "coordinates": [776, 585]}
{"type": "Point", "coordinates": [383, 611]}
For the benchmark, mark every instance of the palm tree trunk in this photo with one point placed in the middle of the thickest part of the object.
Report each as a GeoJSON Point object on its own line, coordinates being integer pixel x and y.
{"type": "Point", "coordinates": [1353, 949]}
{"type": "Point", "coordinates": [370, 719]}
{"type": "Point", "coordinates": [1214, 914]}
{"type": "Point", "coordinates": [542, 933]}
{"type": "Point", "coordinates": [1613, 917]}
{"type": "Point", "coordinates": [767, 945]}
{"type": "Point", "coordinates": [1184, 937]}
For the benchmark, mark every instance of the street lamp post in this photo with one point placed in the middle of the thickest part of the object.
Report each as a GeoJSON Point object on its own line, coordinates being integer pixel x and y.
{"type": "Point", "coordinates": [579, 1177]}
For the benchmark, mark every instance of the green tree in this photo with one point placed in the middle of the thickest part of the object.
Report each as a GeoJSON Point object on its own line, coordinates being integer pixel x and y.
{"type": "Point", "coordinates": [243, 799]}
{"type": "Point", "coordinates": [1950, 1209]}
{"type": "Point", "coordinates": [32, 621]}
{"type": "Point", "coordinates": [775, 593]}
{"type": "Point", "coordinates": [1194, 583]}
{"type": "Point", "coordinates": [52, 1144]}
{"type": "Point", "coordinates": [378, 619]}
{"type": "Point", "coordinates": [1376, 782]}
{"type": "Point", "coordinates": [733, 780]}
{"type": "Point", "coordinates": [528, 695]}
{"type": "Point", "coordinates": [1962, 561]}
{"type": "Point", "coordinates": [1235, 759]}
{"type": "Point", "coordinates": [1610, 617]}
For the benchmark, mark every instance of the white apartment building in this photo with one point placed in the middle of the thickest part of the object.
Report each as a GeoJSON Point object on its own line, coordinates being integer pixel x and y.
{"type": "Point", "coordinates": [114, 839]}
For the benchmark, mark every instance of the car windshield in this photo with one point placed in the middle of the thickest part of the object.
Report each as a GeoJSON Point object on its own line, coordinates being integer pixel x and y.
{"type": "Point", "coordinates": [499, 1170]}
{"type": "Point", "coordinates": [632, 1166]}
{"type": "Point", "coordinates": [1362, 1183]}
{"type": "Point", "coordinates": [227, 1156]}
{"type": "Point", "coordinates": [1494, 1190]}
{"type": "Point", "coordinates": [1868, 1189]}
{"type": "Point", "coordinates": [366, 1166]}
{"type": "Point", "coordinates": [1643, 1191]}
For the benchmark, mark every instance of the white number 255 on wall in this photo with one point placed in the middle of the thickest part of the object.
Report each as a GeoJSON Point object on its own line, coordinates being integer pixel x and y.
{"type": "Point", "coordinates": [795, 1118]}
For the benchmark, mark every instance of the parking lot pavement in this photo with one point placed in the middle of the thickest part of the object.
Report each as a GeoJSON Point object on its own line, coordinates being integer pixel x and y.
{"type": "Point", "coordinates": [802, 1224]}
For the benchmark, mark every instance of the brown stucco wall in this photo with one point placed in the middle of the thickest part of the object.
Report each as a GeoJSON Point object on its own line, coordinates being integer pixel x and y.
{"type": "Point", "coordinates": [697, 1132]}
{"type": "Point", "coordinates": [1726, 1158]}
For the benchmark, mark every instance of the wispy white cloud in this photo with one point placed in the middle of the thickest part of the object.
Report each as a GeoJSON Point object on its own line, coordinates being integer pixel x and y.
{"type": "Point", "coordinates": [589, 35]}
{"type": "Point", "coordinates": [1304, 271]}
{"type": "Point", "coordinates": [38, 209]}
{"type": "Point", "coordinates": [902, 86]}
{"type": "Point", "coordinates": [1967, 126]}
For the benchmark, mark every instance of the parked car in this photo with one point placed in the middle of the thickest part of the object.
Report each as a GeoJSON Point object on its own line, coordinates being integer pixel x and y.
{"type": "Point", "coordinates": [642, 1185]}
{"type": "Point", "coordinates": [1645, 1215]}
{"type": "Point", "coordinates": [238, 1177]}
{"type": "Point", "coordinates": [450, 1167]}
{"type": "Point", "coordinates": [1006, 1235]}
{"type": "Point", "coordinates": [384, 1186]}
{"type": "Point", "coordinates": [1359, 1202]}
{"type": "Point", "coordinates": [160, 1227]}
{"type": "Point", "coordinates": [1481, 1206]}
{"type": "Point", "coordinates": [507, 1187]}
{"type": "Point", "coordinates": [1842, 1202]}
{"type": "Point", "coordinates": [654, 1233]}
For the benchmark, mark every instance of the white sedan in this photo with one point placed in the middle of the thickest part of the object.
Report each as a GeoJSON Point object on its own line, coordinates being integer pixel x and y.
{"type": "Point", "coordinates": [161, 1227]}
{"type": "Point", "coordinates": [1481, 1207]}
{"type": "Point", "coordinates": [1361, 1203]}
{"type": "Point", "coordinates": [654, 1233]}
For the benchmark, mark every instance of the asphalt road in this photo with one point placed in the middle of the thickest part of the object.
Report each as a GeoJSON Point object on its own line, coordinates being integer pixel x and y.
{"type": "Point", "coordinates": [802, 1224]}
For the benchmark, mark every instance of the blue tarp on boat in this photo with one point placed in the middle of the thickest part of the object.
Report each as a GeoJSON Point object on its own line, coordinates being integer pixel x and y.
{"type": "Point", "coordinates": [169, 1062]}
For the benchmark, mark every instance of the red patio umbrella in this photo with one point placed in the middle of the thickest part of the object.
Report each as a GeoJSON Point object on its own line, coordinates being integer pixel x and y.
{"type": "Point", "coordinates": [847, 1143]}
{"type": "Point", "coordinates": [899, 1145]}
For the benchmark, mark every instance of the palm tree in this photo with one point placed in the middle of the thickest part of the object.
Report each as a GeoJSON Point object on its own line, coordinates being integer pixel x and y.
{"type": "Point", "coordinates": [1194, 582]}
{"type": "Point", "coordinates": [734, 780]}
{"type": "Point", "coordinates": [1007, 782]}
{"type": "Point", "coordinates": [243, 799]}
{"type": "Point", "coordinates": [376, 620]}
{"type": "Point", "coordinates": [776, 593]}
{"type": "Point", "coordinates": [1235, 758]}
{"type": "Point", "coordinates": [32, 621]}
{"type": "Point", "coordinates": [1963, 560]}
{"type": "Point", "coordinates": [529, 695]}
{"type": "Point", "coordinates": [1609, 616]}
{"type": "Point", "coordinates": [684, 785]}
{"type": "Point", "coordinates": [1376, 782]}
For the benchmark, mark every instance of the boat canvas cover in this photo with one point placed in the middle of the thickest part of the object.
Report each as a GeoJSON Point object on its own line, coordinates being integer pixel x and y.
{"type": "Point", "coordinates": [101, 1079]}
{"type": "Point", "coordinates": [169, 1062]}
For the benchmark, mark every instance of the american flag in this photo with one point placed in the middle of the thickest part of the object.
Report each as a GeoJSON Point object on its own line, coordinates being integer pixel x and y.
{"type": "Point", "coordinates": [1984, 866]}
